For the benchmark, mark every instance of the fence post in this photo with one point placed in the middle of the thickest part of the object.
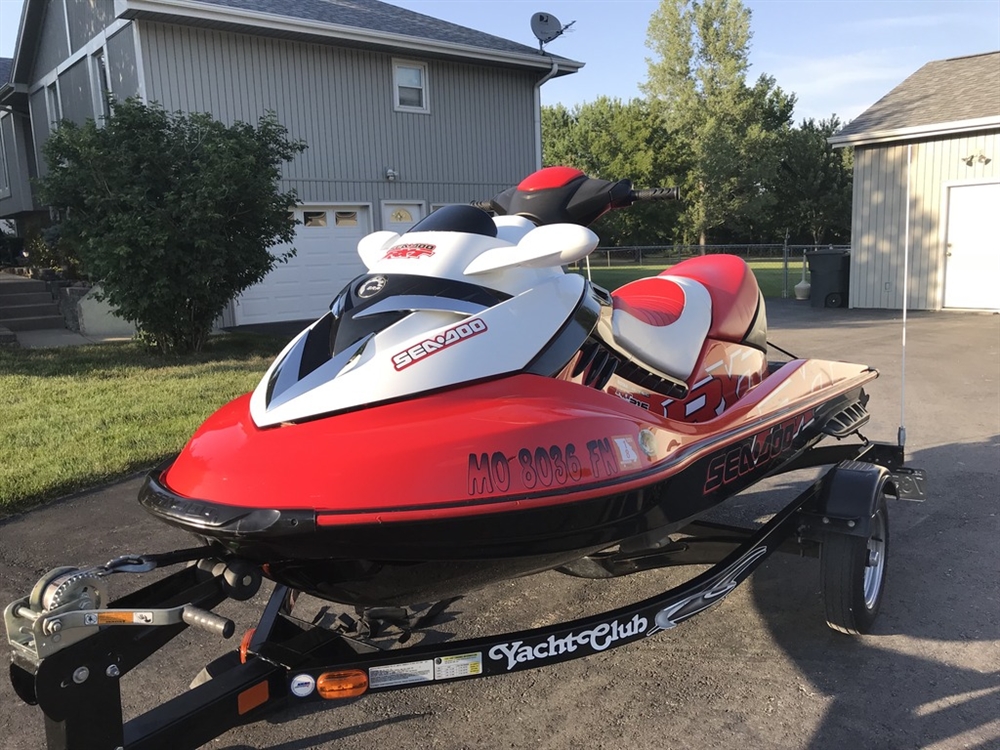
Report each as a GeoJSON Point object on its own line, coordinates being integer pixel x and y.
{"type": "Point", "coordinates": [784, 264]}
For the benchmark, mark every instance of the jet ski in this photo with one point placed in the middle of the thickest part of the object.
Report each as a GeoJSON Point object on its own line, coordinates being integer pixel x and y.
{"type": "Point", "coordinates": [468, 411]}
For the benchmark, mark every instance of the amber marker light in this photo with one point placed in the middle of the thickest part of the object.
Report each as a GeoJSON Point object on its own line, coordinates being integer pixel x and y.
{"type": "Point", "coordinates": [349, 683]}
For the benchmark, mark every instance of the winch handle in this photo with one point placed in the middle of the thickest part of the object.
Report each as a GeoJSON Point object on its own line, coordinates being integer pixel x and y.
{"type": "Point", "coordinates": [197, 617]}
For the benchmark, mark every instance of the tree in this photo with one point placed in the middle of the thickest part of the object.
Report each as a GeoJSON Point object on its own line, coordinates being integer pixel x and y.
{"type": "Point", "coordinates": [613, 140]}
{"type": "Point", "coordinates": [815, 189]}
{"type": "Point", "coordinates": [730, 132]}
{"type": "Point", "coordinates": [172, 213]}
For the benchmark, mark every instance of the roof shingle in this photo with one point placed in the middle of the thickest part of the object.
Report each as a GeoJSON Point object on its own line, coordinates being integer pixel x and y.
{"type": "Point", "coordinates": [378, 16]}
{"type": "Point", "coordinates": [941, 92]}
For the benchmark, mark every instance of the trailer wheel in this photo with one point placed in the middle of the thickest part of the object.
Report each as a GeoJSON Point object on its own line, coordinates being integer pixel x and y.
{"type": "Point", "coordinates": [853, 570]}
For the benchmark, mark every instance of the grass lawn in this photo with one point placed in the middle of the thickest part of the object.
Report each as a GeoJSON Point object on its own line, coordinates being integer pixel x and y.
{"type": "Point", "coordinates": [77, 417]}
{"type": "Point", "coordinates": [769, 273]}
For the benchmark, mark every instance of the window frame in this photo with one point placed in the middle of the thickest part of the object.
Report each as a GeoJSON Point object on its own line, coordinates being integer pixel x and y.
{"type": "Point", "coordinates": [397, 64]}
{"type": "Point", "coordinates": [101, 81]}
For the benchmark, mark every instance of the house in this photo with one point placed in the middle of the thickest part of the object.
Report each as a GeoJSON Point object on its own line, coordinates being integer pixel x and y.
{"type": "Point", "coordinates": [936, 139]}
{"type": "Point", "coordinates": [402, 112]}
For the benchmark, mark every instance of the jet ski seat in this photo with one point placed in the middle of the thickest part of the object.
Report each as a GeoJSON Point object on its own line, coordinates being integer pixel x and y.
{"type": "Point", "coordinates": [664, 320]}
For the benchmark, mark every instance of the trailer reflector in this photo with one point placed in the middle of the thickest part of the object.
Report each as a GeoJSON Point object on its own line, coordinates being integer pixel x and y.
{"type": "Point", "coordinates": [252, 697]}
{"type": "Point", "coordinates": [349, 683]}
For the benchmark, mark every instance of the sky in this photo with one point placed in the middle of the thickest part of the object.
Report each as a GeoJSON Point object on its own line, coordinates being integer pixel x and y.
{"type": "Point", "coordinates": [837, 56]}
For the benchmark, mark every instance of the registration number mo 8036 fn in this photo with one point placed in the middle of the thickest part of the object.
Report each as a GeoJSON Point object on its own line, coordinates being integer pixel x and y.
{"type": "Point", "coordinates": [552, 466]}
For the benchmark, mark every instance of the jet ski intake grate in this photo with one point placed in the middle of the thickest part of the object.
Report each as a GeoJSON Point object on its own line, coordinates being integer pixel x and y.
{"type": "Point", "coordinates": [847, 421]}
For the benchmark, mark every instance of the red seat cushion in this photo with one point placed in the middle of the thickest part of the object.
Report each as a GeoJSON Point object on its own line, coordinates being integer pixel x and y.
{"type": "Point", "coordinates": [733, 288]}
{"type": "Point", "coordinates": [655, 301]}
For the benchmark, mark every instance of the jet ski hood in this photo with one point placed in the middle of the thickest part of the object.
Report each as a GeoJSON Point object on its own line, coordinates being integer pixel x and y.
{"type": "Point", "coordinates": [461, 298]}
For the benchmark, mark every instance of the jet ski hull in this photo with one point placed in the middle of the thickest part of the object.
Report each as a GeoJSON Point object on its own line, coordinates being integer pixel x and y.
{"type": "Point", "coordinates": [421, 500]}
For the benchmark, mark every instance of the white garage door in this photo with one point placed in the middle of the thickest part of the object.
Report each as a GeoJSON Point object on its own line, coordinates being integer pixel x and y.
{"type": "Point", "coordinates": [326, 259]}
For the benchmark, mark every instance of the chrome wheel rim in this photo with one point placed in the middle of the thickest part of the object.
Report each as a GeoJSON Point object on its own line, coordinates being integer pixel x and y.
{"type": "Point", "coordinates": [875, 564]}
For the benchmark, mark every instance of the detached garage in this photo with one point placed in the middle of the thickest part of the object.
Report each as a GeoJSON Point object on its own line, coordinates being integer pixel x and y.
{"type": "Point", "coordinates": [926, 170]}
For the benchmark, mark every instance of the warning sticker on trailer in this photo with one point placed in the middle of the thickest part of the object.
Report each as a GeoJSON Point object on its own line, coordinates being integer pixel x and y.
{"type": "Point", "coordinates": [401, 674]}
{"type": "Point", "coordinates": [460, 665]}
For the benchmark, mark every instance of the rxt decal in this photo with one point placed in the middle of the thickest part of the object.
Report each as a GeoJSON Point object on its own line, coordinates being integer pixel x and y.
{"type": "Point", "coordinates": [753, 453]}
{"type": "Point", "coordinates": [427, 347]}
{"type": "Point", "coordinates": [410, 250]}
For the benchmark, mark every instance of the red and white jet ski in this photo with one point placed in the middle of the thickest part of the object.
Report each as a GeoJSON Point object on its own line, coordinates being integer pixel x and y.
{"type": "Point", "coordinates": [468, 412]}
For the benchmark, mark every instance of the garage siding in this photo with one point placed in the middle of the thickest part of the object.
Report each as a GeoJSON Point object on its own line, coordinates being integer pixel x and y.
{"type": "Point", "coordinates": [879, 210]}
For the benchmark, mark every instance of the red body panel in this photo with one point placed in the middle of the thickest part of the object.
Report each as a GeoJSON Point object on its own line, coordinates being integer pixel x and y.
{"type": "Point", "coordinates": [725, 373]}
{"type": "Point", "coordinates": [516, 443]}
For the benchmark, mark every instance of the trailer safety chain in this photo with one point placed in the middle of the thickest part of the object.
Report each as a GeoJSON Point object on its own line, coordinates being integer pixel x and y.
{"type": "Point", "coordinates": [146, 563]}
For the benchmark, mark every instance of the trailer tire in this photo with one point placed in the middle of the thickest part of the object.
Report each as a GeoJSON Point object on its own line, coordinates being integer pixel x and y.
{"type": "Point", "coordinates": [853, 570]}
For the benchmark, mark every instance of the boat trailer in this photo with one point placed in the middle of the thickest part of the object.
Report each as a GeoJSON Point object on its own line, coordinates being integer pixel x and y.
{"type": "Point", "coordinates": [71, 644]}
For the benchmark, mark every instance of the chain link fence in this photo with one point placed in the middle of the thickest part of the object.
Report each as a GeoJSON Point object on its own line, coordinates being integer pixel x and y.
{"type": "Point", "coordinates": [778, 267]}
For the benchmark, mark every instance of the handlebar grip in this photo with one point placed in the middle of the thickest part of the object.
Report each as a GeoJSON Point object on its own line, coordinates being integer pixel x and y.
{"type": "Point", "coordinates": [197, 617]}
{"type": "Point", "coordinates": [484, 205]}
{"type": "Point", "coordinates": [657, 194]}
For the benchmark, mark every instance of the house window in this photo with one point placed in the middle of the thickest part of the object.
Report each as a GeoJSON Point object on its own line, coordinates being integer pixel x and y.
{"type": "Point", "coordinates": [102, 83]}
{"type": "Point", "coordinates": [52, 102]}
{"type": "Point", "coordinates": [410, 86]}
{"type": "Point", "coordinates": [314, 218]}
{"type": "Point", "coordinates": [346, 218]}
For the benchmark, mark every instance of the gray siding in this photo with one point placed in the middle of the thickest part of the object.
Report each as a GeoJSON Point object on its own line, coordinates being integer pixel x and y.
{"type": "Point", "coordinates": [477, 139]}
{"type": "Point", "coordinates": [19, 161]}
{"type": "Point", "coordinates": [879, 210]}
{"type": "Point", "coordinates": [75, 92]}
{"type": "Point", "coordinates": [53, 46]}
{"type": "Point", "coordinates": [122, 65]}
{"type": "Point", "coordinates": [87, 19]}
{"type": "Point", "coordinates": [39, 126]}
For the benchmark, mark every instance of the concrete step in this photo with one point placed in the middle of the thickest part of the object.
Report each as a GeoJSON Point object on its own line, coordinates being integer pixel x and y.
{"type": "Point", "coordinates": [28, 311]}
{"type": "Point", "coordinates": [36, 323]}
{"type": "Point", "coordinates": [18, 298]}
{"type": "Point", "coordinates": [11, 284]}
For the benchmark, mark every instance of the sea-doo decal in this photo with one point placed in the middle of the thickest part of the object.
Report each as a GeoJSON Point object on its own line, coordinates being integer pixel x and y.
{"type": "Point", "coordinates": [754, 453]}
{"type": "Point", "coordinates": [599, 638]}
{"type": "Point", "coordinates": [410, 250]}
{"type": "Point", "coordinates": [450, 337]}
{"type": "Point", "coordinates": [371, 287]}
{"type": "Point", "coordinates": [673, 615]}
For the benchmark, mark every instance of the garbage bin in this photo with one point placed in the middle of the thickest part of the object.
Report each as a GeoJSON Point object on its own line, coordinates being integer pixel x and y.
{"type": "Point", "coordinates": [829, 274]}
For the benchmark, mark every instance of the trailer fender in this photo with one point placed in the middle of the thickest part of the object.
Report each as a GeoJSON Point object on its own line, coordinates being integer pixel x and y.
{"type": "Point", "coordinates": [848, 499]}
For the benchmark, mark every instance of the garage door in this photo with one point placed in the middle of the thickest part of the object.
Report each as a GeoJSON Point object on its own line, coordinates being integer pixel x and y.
{"type": "Point", "coordinates": [326, 259]}
{"type": "Point", "coordinates": [972, 256]}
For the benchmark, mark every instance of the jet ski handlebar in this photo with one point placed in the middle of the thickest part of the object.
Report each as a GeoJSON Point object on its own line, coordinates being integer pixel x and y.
{"type": "Point", "coordinates": [656, 194]}
{"type": "Point", "coordinates": [561, 194]}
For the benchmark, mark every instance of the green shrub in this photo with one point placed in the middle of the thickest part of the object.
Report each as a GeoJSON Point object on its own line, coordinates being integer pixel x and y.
{"type": "Point", "coordinates": [172, 213]}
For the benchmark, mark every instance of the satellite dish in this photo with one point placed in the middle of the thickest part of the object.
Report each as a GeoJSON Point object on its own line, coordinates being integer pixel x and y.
{"type": "Point", "coordinates": [545, 27]}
